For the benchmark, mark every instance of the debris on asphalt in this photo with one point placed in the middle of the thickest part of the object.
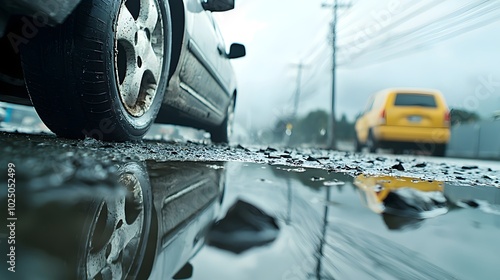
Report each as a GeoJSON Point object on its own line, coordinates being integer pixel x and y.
{"type": "Point", "coordinates": [398, 166]}
{"type": "Point", "coordinates": [16, 146]}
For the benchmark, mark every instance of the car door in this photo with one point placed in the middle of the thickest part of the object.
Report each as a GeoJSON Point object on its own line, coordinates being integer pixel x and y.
{"type": "Point", "coordinates": [224, 67]}
{"type": "Point", "coordinates": [211, 83]}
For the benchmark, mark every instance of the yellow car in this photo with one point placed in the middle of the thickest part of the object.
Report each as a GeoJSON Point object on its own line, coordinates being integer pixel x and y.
{"type": "Point", "coordinates": [403, 118]}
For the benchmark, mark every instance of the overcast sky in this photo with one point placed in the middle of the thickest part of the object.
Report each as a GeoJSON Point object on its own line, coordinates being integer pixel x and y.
{"type": "Point", "coordinates": [279, 34]}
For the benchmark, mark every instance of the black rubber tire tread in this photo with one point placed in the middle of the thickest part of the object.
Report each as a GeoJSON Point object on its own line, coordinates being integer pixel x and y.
{"type": "Point", "coordinates": [141, 174]}
{"type": "Point", "coordinates": [397, 151]}
{"type": "Point", "coordinates": [70, 76]}
{"type": "Point", "coordinates": [358, 147]}
{"type": "Point", "coordinates": [439, 150]}
{"type": "Point", "coordinates": [373, 148]}
{"type": "Point", "coordinates": [219, 133]}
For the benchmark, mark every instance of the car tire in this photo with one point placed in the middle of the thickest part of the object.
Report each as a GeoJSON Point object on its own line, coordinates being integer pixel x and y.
{"type": "Point", "coordinates": [371, 143]}
{"type": "Point", "coordinates": [397, 150]}
{"type": "Point", "coordinates": [357, 145]}
{"type": "Point", "coordinates": [103, 73]}
{"type": "Point", "coordinates": [116, 232]}
{"type": "Point", "coordinates": [222, 133]}
{"type": "Point", "coordinates": [439, 150]}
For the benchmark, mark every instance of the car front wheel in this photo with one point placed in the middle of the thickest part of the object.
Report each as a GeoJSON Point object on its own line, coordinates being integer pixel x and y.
{"type": "Point", "coordinates": [115, 234]}
{"type": "Point", "coordinates": [102, 73]}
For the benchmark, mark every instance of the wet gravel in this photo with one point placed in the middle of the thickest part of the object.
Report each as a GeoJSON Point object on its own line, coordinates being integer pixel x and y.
{"type": "Point", "coordinates": [47, 153]}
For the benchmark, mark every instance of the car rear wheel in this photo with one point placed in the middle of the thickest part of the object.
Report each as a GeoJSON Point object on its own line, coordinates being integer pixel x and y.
{"type": "Point", "coordinates": [222, 133]}
{"type": "Point", "coordinates": [371, 143]}
{"type": "Point", "coordinates": [102, 73]}
{"type": "Point", "coordinates": [357, 145]}
{"type": "Point", "coordinates": [439, 150]}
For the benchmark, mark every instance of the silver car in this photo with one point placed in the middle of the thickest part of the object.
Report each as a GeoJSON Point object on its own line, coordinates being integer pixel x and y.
{"type": "Point", "coordinates": [108, 69]}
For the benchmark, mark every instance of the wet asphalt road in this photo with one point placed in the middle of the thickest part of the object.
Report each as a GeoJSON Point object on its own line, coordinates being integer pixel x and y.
{"type": "Point", "coordinates": [279, 213]}
{"type": "Point", "coordinates": [47, 149]}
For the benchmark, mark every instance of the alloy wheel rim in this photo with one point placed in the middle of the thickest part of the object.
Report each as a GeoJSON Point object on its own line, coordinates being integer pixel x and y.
{"type": "Point", "coordinates": [116, 233]}
{"type": "Point", "coordinates": [139, 50]}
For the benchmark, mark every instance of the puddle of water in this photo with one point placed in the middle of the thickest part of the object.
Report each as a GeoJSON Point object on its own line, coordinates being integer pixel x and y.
{"type": "Point", "coordinates": [81, 227]}
{"type": "Point", "coordinates": [360, 228]}
{"type": "Point", "coordinates": [250, 221]}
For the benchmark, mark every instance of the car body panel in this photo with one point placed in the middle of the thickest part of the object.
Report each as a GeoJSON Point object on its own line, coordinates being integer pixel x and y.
{"type": "Point", "coordinates": [187, 199]}
{"type": "Point", "coordinates": [200, 89]}
{"type": "Point", "coordinates": [371, 115]}
{"type": "Point", "coordinates": [389, 122]}
{"type": "Point", "coordinates": [438, 135]}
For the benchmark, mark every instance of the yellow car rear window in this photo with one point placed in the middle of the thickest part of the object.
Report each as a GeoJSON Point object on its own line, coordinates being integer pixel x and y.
{"type": "Point", "coordinates": [414, 99]}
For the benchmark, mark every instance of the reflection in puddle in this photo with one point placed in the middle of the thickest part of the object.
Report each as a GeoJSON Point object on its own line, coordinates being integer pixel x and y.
{"type": "Point", "coordinates": [258, 222]}
{"type": "Point", "coordinates": [327, 232]}
{"type": "Point", "coordinates": [403, 197]}
{"type": "Point", "coordinates": [244, 226]}
{"type": "Point", "coordinates": [117, 227]}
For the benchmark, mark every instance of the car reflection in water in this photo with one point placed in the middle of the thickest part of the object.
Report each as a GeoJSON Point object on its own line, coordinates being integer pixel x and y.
{"type": "Point", "coordinates": [146, 222]}
{"type": "Point", "coordinates": [403, 201]}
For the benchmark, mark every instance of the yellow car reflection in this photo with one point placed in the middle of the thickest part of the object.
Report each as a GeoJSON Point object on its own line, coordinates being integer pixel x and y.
{"type": "Point", "coordinates": [375, 189]}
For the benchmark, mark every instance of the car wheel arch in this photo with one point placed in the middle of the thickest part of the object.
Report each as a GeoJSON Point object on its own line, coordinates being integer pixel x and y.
{"type": "Point", "coordinates": [235, 95]}
{"type": "Point", "coordinates": [178, 15]}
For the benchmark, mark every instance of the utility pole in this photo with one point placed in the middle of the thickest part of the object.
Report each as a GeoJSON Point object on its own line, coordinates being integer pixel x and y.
{"type": "Point", "coordinates": [296, 101]}
{"type": "Point", "coordinates": [332, 138]}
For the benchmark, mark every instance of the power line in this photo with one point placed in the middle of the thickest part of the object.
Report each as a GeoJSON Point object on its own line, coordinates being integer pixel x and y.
{"type": "Point", "coordinates": [433, 33]}
{"type": "Point", "coordinates": [389, 28]}
{"type": "Point", "coordinates": [394, 23]}
{"type": "Point", "coordinates": [320, 38]}
{"type": "Point", "coordinates": [420, 46]}
{"type": "Point", "coordinates": [321, 67]}
{"type": "Point", "coordinates": [434, 27]}
{"type": "Point", "coordinates": [423, 31]}
{"type": "Point", "coordinates": [317, 55]}
{"type": "Point", "coordinates": [311, 85]}
{"type": "Point", "coordinates": [357, 42]}
{"type": "Point", "coordinates": [428, 39]}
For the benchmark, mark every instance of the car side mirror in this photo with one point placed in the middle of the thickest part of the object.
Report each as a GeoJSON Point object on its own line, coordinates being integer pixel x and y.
{"type": "Point", "coordinates": [218, 5]}
{"type": "Point", "coordinates": [236, 51]}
